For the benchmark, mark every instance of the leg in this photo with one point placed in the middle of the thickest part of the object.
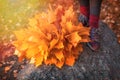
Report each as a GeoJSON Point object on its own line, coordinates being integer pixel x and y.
{"type": "Point", "coordinates": [84, 7]}
{"type": "Point", "coordinates": [95, 6]}
{"type": "Point", "coordinates": [84, 12]}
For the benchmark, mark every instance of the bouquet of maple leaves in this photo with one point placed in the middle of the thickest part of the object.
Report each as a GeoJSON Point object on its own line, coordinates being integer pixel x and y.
{"type": "Point", "coordinates": [53, 37]}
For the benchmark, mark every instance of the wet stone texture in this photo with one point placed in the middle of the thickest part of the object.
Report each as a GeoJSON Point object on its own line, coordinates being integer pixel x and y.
{"type": "Point", "coordinates": [101, 65]}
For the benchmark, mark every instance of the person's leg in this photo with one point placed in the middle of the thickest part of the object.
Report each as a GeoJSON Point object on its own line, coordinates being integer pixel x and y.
{"type": "Point", "coordinates": [95, 6]}
{"type": "Point", "coordinates": [84, 12]}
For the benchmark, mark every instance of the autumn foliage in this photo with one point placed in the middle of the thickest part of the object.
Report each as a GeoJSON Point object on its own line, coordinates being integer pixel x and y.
{"type": "Point", "coordinates": [53, 37]}
{"type": "Point", "coordinates": [6, 50]}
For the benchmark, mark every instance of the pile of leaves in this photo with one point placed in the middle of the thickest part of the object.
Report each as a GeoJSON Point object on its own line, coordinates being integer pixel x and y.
{"type": "Point", "coordinates": [53, 37]}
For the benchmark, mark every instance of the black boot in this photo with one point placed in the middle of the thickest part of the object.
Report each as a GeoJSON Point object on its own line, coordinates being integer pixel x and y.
{"type": "Point", "coordinates": [94, 44]}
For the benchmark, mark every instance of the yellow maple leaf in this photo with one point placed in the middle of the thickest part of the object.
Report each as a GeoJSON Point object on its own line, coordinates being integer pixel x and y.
{"type": "Point", "coordinates": [50, 61]}
{"type": "Point", "coordinates": [24, 46]}
{"type": "Point", "coordinates": [59, 55]}
{"type": "Point", "coordinates": [70, 60]}
{"type": "Point", "coordinates": [59, 45]}
{"type": "Point", "coordinates": [31, 52]}
{"type": "Point", "coordinates": [38, 59]}
{"type": "Point", "coordinates": [59, 64]}
{"type": "Point", "coordinates": [73, 38]}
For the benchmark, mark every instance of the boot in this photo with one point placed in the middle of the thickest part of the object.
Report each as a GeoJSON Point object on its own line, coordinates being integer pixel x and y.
{"type": "Point", "coordinates": [94, 44]}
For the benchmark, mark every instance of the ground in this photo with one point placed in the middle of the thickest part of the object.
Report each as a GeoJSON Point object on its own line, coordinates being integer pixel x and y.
{"type": "Point", "coordinates": [110, 14]}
